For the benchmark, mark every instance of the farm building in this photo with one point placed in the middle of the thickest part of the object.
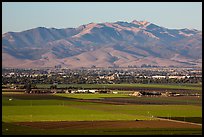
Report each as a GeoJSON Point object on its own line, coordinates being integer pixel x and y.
{"type": "Point", "coordinates": [158, 77]}
{"type": "Point", "coordinates": [39, 91]}
{"type": "Point", "coordinates": [92, 91]}
{"type": "Point", "coordinates": [143, 93]}
{"type": "Point", "coordinates": [104, 91]}
{"type": "Point", "coordinates": [114, 92]}
{"type": "Point", "coordinates": [154, 93]}
{"type": "Point", "coordinates": [168, 94]}
{"type": "Point", "coordinates": [137, 94]}
{"type": "Point", "coordinates": [177, 77]}
{"type": "Point", "coordinates": [81, 91]}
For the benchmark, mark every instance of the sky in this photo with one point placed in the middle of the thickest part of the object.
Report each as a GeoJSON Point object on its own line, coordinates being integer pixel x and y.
{"type": "Point", "coordinates": [20, 16]}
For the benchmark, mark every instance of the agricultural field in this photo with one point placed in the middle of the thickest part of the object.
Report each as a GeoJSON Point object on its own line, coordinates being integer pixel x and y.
{"type": "Point", "coordinates": [127, 86]}
{"type": "Point", "coordinates": [126, 99]}
{"type": "Point", "coordinates": [99, 114]}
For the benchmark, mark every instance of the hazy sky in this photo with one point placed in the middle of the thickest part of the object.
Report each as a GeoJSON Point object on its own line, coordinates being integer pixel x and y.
{"type": "Point", "coordinates": [19, 16]}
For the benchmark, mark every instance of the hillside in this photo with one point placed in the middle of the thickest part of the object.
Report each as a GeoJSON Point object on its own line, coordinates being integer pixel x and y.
{"type": "Point", "coordinates": [120, 44]}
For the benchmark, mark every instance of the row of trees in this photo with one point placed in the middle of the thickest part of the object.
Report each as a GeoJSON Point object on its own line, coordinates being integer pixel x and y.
{"type": "Point", "coordinates": [30, 86]}
{"type": "Point", "coordinates": [95, 80]}
{"type": "Point", "coordinates": [32, 83]}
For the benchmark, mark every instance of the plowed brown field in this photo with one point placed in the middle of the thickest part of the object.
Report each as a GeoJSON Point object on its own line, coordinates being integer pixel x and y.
{"type": "Point", "coordinates": [107, 124]}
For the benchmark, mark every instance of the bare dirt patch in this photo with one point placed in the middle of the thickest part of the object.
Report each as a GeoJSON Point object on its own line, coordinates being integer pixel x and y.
{"type": "Point", "coordinates": [107, 124]}
{"type": "Point", "coordinates": [182, 100]}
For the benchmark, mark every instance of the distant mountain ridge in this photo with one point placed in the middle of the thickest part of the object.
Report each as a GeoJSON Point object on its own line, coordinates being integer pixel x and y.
{"type": "Point", "coordinates": [120, 44]}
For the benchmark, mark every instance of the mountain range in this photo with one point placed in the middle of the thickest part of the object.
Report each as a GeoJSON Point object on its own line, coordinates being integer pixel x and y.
{"type": "Point", "coordinates": [116, 44]}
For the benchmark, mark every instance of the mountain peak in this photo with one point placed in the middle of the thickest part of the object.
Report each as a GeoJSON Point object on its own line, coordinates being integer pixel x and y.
{"type": "Point", "coordinates": [103, 44]}
{"type": "Point", "coordinates": [141, 23]}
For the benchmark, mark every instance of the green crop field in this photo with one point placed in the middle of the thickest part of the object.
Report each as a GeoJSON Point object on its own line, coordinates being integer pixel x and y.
{"type": "Point", "coordinates": [61, 113]}
{"type": "Point", "coordinates": [58, 110]}
{"type": "Point", "coordinates": [119, 86]}
{"type": "Point", "coordinates": [69, 107]}
{"type": "Point", "coordinates": [92, 96]}
{"type": "Point", "coordinates": [70, 110]}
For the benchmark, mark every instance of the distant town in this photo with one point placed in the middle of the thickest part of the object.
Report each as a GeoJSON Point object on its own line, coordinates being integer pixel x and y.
{"type": "Point", "coordinates": [102, 76]}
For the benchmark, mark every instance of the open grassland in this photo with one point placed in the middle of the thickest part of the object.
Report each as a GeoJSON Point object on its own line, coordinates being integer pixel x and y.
{"type": "Point", "coordinates": [127, 86]}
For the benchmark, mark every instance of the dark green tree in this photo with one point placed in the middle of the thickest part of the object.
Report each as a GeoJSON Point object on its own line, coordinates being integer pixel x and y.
{"type": "Point", "coordinates": [28, 87]}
